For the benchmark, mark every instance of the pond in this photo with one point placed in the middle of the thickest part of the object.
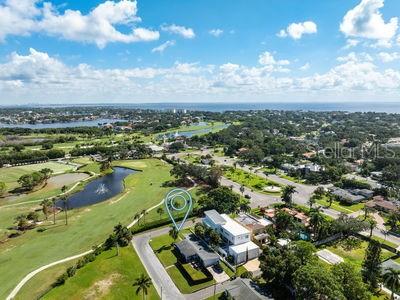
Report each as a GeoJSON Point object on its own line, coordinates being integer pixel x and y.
{"type": "Point", "coordinates": [100, 189]}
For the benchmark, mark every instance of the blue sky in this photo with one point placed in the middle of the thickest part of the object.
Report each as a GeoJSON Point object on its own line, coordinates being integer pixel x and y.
{"type": "Point", "coordinates": [203, 50]}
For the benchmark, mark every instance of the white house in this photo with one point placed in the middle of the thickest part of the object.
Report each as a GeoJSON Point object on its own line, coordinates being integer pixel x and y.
{"type": "Point", "coordinates": [240, 246]}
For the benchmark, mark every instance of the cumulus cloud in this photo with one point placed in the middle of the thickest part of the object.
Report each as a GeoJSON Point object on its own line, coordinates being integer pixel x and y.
{"type": "Point", "coordinates": [163, 46]}
{"type": "Point", "coordinates": [216, 32]}
{"type": "Point", "coordinates": [37, 75]}
{"type": "Point", "coordinates": [185, 32]}
{"type": "Point", "coordinates": [99, 26]}
{"type": "Point", "coordinates": [350, 43]}
{"type": "Point", "coordinates": [355, 57]}
{"type": "Point", "coordinates": [296, 30]}
{"type": "Point", "coordinates": [389, 57]}
{"type": "Point", "coordinates": [267, 58]}
{"type": "Point", "coordinates": [366, 21]}
{"type": "Point", "coordinates": [305, 67]}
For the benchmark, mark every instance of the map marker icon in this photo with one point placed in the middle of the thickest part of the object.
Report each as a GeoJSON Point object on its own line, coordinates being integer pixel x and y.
{"type": "Point", "coordinates": [178, 200]}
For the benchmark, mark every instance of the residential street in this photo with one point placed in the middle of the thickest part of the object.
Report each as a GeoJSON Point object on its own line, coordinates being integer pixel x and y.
{"type": "Point", "coordinates": [303, 193]}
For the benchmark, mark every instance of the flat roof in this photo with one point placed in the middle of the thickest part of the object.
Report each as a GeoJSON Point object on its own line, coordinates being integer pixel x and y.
{"type": "Point", "coordinates": [243, 247]}
{"type": "Point", "coordinates": [215, 216]}
{"type": "Point", "coordinates": [233, 227]}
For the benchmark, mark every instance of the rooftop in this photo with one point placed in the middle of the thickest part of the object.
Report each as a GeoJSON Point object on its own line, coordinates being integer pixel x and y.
{"type": "Point", "coordinates": [233, 227]}
{"type": "Point", "coordinates": [214, 216]}
{"type": "Point", "coordinates": [244, 289]}
{"type": "Point", "coordinates": [243, 247]}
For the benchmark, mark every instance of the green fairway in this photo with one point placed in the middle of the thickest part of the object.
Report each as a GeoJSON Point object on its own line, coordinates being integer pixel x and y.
{"type": "Point", "coordinates": [88, 226]}
{"type": "Point", "coordinates": [11, 175]}
{"type": "Point", "coordinates": [108, 277]}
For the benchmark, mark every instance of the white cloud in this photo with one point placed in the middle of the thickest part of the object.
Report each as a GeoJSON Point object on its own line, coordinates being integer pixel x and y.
{"type": "Point", "coordinates": [17, 17]}
{"type": "Point", "coordinates": [366, 21]}
{"type": "Point", "coordinates": [99, 26]}
{"type": "Point", "coordinates": [163, 46]}
{"type": "Point", "coordinates": [305, 67]}
{"type": "Point", "coordinates": [216, 32]}
{"type": "Point", "coordinates": [296, 30]}
{"type": "Point", "coordinates": [185, 32]}
{"type": "Point", "coordinates": [389, 57]}
{"type": "Point", "coordinates": [355, 57]}
{"type": "Point", "coordinates": [38, 76]}
{"type": "Point", "coordinates": [350, 43]}
{"type": "Point", "coordinates": [267, 58]}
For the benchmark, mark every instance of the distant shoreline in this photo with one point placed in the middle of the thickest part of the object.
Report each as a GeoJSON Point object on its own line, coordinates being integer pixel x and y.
{"type": "Point", "coordinates": [386, 107]}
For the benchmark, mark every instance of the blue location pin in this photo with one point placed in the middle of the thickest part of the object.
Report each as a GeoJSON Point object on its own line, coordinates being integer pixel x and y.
{"type": "Point", "coordinates": [178, 200]}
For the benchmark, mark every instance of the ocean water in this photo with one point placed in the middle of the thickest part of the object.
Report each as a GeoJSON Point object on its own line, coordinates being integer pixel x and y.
{"type": "Point", "coordinates": [388, 107]}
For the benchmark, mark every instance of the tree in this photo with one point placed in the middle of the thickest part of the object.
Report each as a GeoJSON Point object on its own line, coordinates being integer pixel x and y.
{"type": "Point", "coordinates": [315, 281]}
{"type": "Point", "coordinates": [331, 198]}
{"type": "Point", "coordinates": [245, 205]}
{"type": "Point", "coordinates": [221, 199]}
{"type": "Point", "coordinates": [2, 188]}
{"type": "Point", "coordinates": [22, 222]}
{"type": "Point", "coordinates": [393, 220]}
{"type": "Point", "coordinates": [199, 230]}
{"type": "Point", "coordinates": [143, 214]}
{"type": "Point", "coordinates": [316, 221]}
{"type": "Point", "coordinates": [371, 267]}
{"type": "Point", "coordinates": [160, 211]}
{"type": "Point", "coordinates": [241, 189]}
{"type": "Point", "coordinates": [372, 223]}
{"type": "Point", "coordinates": [287, 194]}
{"type": "Point", "coordinates": [46, 206]}
{"type": "Point", "coordinates": [142, 283]}
{"type": "Point", "coordinates": [64, 199]}
{"type": "Point", "coordinates": [64, 189]}
{"type": "Point", "coordinates": [215, 238]}
{"type": "Point", "coordinates": [137, 217]}
{"type": "Point", "coordinates": [173, 233]}
{"type": "Point", "coordinates": [319, 192]}
{"type": "Point", "coordinates": [391, 278]}
{"type": "Point", "coordinates": [312, 201]}
{"type": "Point", "coordinates": [123, 234]}
{"type": "Point", "coordinates": [367, 210]}
{"type": "Point", "coordinates": [46, 173]}
{"type": "Point", "coordinates": [214, 176]}
{"type": "Point", "coordinates": [283, 221]}
{"type": "Point", "coordinates": [351, 281]}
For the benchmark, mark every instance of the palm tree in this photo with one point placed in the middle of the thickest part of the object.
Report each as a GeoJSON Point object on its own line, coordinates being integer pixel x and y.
{"type": "Point", "coordinates": [287, 194]}
{"type": "Point", "coordinates": [245, 205]}
{"type": "Point", "coordinates": [316, 220]}
{"type": "Point", "coordinates": [241, 189]}
{"type": "Point", "coordinates": [392, 280]}
{"type": "Point", "coordinates": [143, 282]}
{"type": "Point", "coordinates": [372, 224]}
{"type": "Point", "coordinates": [64, 189]}
{"type": "Point", "coordinates": [174, 233]}
{"type": "Point", "coordinates": [160, 211]}
{"type": "Point", "coordinates": [331, 198]}
{"type": "Point", "coordinates": [46, 204]}
{"type": "Point", "coordinates": [312, 201]}
{"type": "Point", "coordinates": [367, 210]}
{"type": "Point", "coordinates": [65, 201]}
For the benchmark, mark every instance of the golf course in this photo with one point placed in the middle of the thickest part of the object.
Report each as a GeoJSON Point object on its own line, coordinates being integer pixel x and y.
{"type": "Point", "coordinates": [87, 226]}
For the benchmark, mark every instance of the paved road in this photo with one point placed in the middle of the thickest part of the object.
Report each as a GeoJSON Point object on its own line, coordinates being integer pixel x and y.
{"type": "Point", "coordinates": [303, 193]}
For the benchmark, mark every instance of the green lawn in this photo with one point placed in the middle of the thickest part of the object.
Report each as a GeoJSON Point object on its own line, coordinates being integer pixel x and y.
{"type": "Point", "coordinates": [88, 226]}
{"type": "Point", "coordinates": [108, 277]}
{"type": "Point", "coordinates": [336, 205]}
{"type": "Point", "coordinates": [11, 175]}
{"type": "Point", "coordinates": [356, 256]}
{"type": "Point", "coordinates": [250, 180]}
{"type": "Point", "coordinates": [186, 278]}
